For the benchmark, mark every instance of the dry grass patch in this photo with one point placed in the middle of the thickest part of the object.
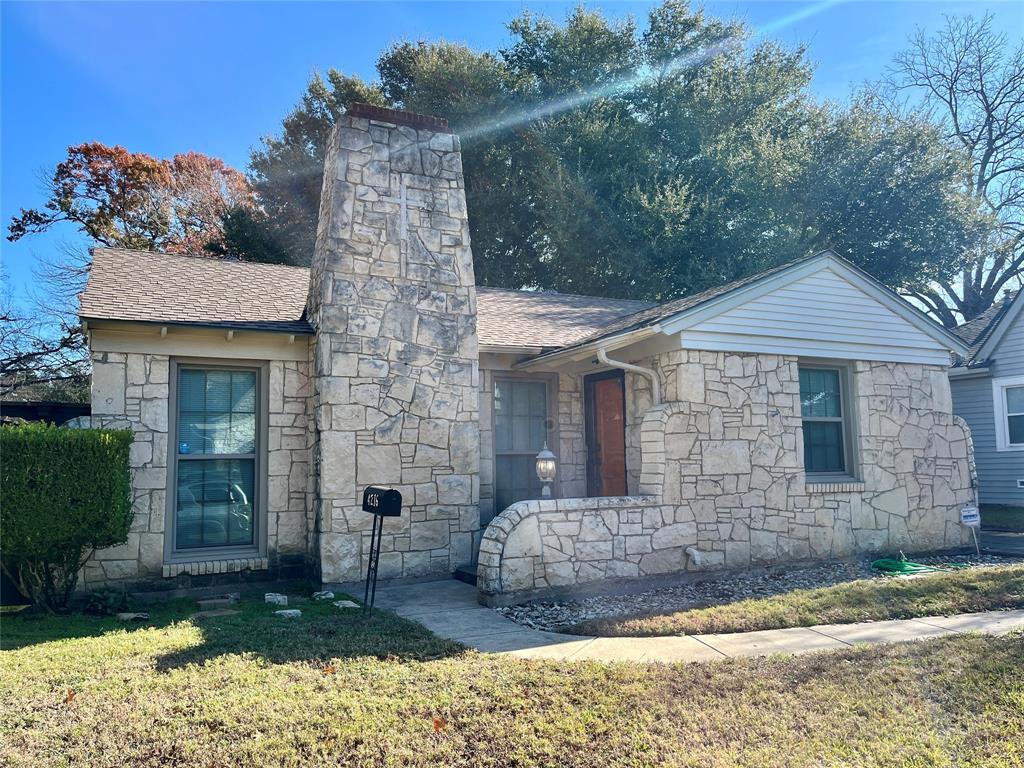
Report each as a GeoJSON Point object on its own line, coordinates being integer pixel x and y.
{"type": "Point", "coordinates": [966, 591]}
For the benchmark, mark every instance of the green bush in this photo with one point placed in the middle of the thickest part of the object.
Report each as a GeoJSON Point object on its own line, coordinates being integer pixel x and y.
{"type": "Point", "coordinates": [64, 493]}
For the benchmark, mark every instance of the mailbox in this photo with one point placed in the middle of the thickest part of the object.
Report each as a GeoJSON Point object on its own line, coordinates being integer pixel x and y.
{"type": "Point", "coordinates": [385, 502]}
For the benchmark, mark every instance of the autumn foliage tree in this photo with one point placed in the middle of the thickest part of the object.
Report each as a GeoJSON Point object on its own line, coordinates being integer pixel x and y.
{"type": "Point", "coordinates": [134, 200]}
{"type": "Point", "coordinates": [115, 198]}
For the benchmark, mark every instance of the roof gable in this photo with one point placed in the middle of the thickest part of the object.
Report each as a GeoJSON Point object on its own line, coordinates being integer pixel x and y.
{"type": "Point", "coordinates": [986, 331]}
{"type": "Point", "coordinates": [898, 330]}
{"type": "Point", "coordinates": [822, 314]}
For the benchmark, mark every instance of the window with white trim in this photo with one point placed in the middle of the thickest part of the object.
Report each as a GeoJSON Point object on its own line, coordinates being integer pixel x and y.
{"type": "Point", "coordinates": [216, 458]}
{"type": "Point", "coordinates": [1008, 405]}
{"type": "Point", "coordinates": [823, 410]}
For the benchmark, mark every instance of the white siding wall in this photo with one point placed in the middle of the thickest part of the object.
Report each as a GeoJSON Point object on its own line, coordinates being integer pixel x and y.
{"type": "Point", "coordinates": [822, 315]}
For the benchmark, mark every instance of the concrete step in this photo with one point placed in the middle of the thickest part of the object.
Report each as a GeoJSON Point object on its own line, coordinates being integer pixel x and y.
{"type": "Point", "coordinates": [466, 573]}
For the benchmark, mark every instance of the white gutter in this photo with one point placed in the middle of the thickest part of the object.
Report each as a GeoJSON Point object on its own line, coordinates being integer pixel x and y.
{"type": "Point", "coordinates": [602, 355]}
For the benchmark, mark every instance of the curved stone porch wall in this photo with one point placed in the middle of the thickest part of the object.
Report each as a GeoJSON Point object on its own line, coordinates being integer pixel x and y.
{"type": "Point", "coordinates": [722, 470]}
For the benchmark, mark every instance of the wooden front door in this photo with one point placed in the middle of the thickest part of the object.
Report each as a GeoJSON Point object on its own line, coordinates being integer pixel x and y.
{"type": "Point", "coordinates": [605, 406]}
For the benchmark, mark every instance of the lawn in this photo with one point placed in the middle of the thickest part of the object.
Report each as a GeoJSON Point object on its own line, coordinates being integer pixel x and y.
{"type": "Point", "coordinates": [329, 689]}
{"type": "Point", "coordinates": [966, 591]}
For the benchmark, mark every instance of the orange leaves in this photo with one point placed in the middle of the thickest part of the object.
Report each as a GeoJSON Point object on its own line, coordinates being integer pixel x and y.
{"type": "Point", "coordinates": [134, 200]}
{"type": "Point", "coordinates": [69, 699]}
{"type": "Point", "coordinates": [328, 670]}
{"type": "Point", "coordinates": [439, 724]}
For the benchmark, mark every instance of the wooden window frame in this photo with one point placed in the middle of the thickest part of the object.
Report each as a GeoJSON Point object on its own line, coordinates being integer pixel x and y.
{"type": "Point", "coordinates": [260, 481]}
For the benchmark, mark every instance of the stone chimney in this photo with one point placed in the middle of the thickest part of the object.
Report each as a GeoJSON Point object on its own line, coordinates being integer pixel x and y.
{"type": "Point", "coordinates": [396, 360]}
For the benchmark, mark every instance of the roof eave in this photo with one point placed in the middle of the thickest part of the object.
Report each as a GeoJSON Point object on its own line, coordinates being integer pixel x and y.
{"type": "Point", "coordinates": [298, 329]}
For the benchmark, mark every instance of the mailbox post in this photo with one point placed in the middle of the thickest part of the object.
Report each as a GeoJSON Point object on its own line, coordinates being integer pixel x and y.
{"type": "Point", "coordinates": [381, 503]}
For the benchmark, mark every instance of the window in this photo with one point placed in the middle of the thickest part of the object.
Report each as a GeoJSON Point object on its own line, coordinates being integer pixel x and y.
{"type": "Point", "coordinates": [1008, 402]}
{"type": "Point", "coordinates": [216, 442]}
{"type": "Point", "coordinates": [520, 429]}
{"type": "Point", "coordinates": [824, 421]}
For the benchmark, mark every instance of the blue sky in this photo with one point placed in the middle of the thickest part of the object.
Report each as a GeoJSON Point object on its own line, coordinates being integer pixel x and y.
{"type": "Point", "coordinates": [215, 77]}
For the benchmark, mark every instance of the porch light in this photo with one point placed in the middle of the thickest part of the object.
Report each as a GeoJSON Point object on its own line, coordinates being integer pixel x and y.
{"type": "Point", "coordinates": [547, 466]}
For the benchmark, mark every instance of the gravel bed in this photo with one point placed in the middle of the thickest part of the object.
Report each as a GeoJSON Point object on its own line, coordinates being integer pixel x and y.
{"type": "Point", "coordinates": [556, 615]}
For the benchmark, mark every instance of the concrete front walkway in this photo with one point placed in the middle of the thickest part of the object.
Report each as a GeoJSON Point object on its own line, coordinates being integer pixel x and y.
{"type": "Point", "coordinates": [449, 608]}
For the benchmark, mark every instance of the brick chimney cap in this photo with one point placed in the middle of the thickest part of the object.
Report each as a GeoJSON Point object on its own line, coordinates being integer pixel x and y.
{"type": "Point", "coordinates": [398, 117]}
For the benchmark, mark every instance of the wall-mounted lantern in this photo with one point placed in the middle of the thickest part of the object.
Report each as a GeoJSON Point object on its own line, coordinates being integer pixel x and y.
{"type": "Point", "coordinates": [547, 466]}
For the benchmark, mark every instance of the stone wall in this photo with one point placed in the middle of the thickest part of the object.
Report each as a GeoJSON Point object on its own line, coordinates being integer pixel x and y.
{"type": "Point", "coordinates": [723, 471]}
{"type": "Point", "coordinates": [130, 391]}
{"type": "Point", "coordinates": [396, 380]}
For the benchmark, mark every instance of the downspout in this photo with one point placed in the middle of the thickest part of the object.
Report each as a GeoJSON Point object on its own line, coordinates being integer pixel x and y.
{"type": "Point", "coordinates": [650, 373]}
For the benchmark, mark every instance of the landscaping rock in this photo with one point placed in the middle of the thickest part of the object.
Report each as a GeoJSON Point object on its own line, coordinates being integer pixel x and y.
{"type": "Point", "coordinates": [346, 604]}
{"type": "Point", "coordinates": [325, 595]}
{"type": "Point", "coordinates": [554, 615]}
{"type": "Point", "coordinates": [289, 613]}
{"type": "Point", "coordinates": [275, 598]}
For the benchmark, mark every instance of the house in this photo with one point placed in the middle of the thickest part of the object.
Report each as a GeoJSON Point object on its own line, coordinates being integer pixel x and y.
{"type": "Point", "coordinates": [988, 392]}
{"type": "Point", "coordinates": [804, 412]}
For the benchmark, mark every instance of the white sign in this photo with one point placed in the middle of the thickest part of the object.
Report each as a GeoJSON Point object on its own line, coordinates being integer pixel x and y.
{"type": "Point", "coordinates": [970, 517]}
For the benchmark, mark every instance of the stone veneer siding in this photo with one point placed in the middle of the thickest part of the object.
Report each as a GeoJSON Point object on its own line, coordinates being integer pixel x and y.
{"type": "Point", "coordinates": [130, 391]}
{"type": "Point", "coordinates": [396, 380]}
{"type": "Point", "coordinates": [723, 471]}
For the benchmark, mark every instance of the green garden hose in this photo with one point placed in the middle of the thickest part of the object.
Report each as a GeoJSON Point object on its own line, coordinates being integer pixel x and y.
{"type": "Point", "coordinates": [904, 566]}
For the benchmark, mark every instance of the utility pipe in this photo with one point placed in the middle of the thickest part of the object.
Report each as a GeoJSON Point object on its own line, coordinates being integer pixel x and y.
{"type": "Point", "coordinates": [650, 373]}
{"type": "Point", "coordinates": [695, 556]}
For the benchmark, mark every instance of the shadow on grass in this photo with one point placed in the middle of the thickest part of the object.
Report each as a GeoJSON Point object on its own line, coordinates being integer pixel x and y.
{"type": "Point", "coordinates": [323, 632]}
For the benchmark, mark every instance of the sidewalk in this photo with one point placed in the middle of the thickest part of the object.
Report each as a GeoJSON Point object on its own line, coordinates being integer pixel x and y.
{"type": "Point", "coordinates": [449, 608]}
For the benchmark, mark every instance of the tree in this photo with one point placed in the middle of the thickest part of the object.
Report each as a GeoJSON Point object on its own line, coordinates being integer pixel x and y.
{"type": "Point", "coordinates": [969, 80]}
{"type": "Point", "coordinates": [40, 361]}
{"type": "Point", "coordinates": [133, 200]}
{"type": "Point", "coordinates": [115, 198]}
{"type": "Point", "coordinates": [603, 159]}
{"type": "Point", "coordinates": [287, 172]}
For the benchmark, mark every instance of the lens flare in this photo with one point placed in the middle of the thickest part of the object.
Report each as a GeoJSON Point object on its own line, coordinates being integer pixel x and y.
{"type": "Point", "coordinates": [644, 74]}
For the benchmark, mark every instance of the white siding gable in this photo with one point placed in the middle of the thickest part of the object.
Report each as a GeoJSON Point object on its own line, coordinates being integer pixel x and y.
{"type": "Point", "coordinates": [819, 315]}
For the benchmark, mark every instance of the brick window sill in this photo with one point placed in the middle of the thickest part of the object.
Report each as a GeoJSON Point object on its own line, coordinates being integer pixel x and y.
{"type": "Point", "coordinates": [205, 567]}
{"type": "Point", "coordinates": [834, 486]}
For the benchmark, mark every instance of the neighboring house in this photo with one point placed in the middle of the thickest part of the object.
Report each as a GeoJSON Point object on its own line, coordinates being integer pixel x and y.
{"type": "Point", "coordinates": [988, 392]}
{"type": "Point", "coordinates": [801, 413]}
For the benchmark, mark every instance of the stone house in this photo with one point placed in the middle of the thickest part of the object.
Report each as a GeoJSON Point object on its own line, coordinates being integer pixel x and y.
{"type": "Point", "coordinates": [988, 392]}
{"type": "Point", "coordinates": [801, 413]}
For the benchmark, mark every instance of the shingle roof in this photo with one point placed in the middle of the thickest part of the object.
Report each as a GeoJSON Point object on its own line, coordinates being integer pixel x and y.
{"type": "Point", "coordinates": [544, 319]}
{"type": "Point", "coordinates": [143, 286]}
{"type": "Point", "coordinates": [977, 331]}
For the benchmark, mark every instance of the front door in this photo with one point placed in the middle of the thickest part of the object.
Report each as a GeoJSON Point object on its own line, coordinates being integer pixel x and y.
{"type": "Point", "coordinates": [605, 405]}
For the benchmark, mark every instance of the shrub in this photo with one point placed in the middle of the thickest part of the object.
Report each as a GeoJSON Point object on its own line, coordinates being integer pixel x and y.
{"type": "Point", "coordinates": [64, 493]}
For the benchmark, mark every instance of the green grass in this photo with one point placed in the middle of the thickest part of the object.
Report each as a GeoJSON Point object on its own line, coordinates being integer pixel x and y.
{"type": "Point", "coordinates": [254, 690]}
{"type": "Point", "coordinates": [967, 591]}
{"type": "Point", "coordinates": [1001, 517]}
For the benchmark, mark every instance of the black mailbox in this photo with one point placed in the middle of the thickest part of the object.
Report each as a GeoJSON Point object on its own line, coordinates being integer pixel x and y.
{"type": "Point", "coordinates": [386, 502]}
